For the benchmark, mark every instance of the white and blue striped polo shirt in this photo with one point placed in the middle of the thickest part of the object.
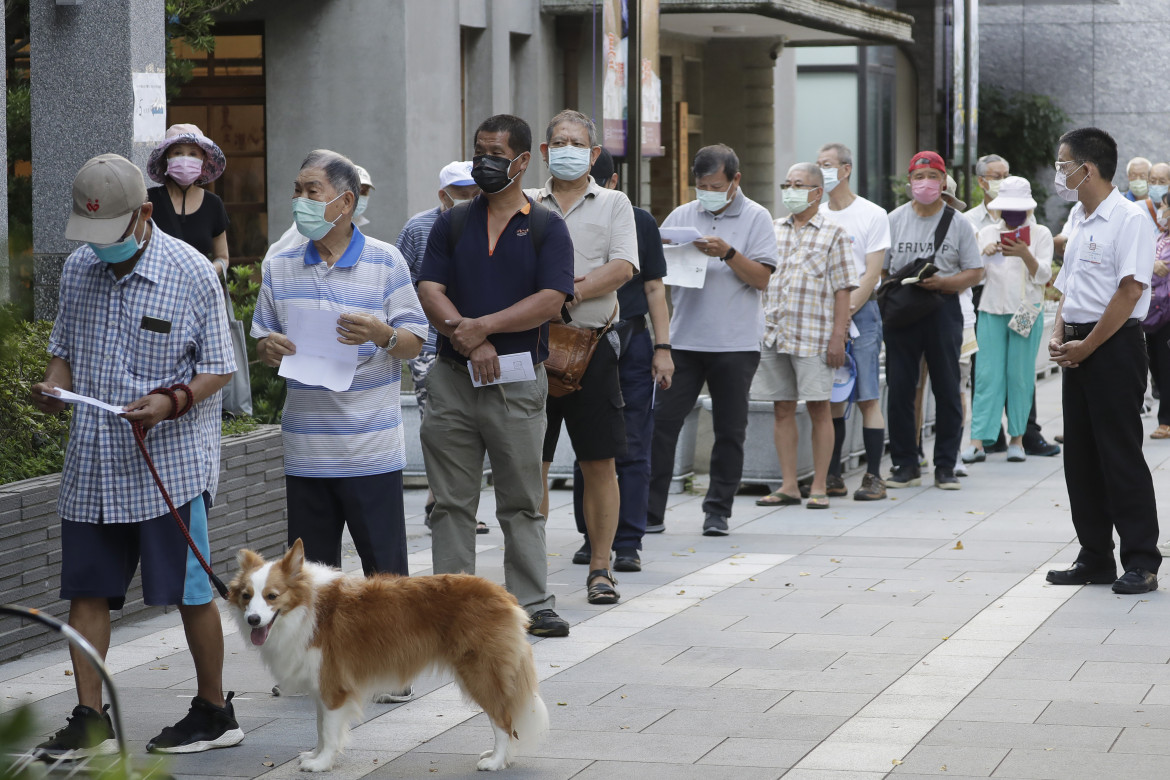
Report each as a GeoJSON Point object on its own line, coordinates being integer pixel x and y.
{"type": "Point", "coordinates": [357, 432]}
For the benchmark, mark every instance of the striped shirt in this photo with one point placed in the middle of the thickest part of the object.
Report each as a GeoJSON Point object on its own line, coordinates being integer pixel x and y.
{"type": "Point", "coordinates": [357, 432]}
{"type": "Point", "coordinates": [816, 261]}
{"type": "Point", "coordinates": [412, 243]}
{"type": "Point", "coordinates": [108, 330]}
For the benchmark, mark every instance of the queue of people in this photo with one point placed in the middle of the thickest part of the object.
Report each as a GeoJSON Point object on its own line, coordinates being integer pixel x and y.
{"type": "Point", "coordinates": [519, 310]}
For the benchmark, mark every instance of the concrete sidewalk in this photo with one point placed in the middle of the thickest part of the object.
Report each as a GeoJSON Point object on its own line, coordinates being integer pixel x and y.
{"type": "Point", "coordinates": [911, 637]}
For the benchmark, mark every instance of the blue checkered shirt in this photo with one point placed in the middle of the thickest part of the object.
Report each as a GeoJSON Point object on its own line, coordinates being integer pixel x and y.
{"type": "Point", "coordinates": [114, 359]}
{"type": "Point", "coordinates": [412, 243]}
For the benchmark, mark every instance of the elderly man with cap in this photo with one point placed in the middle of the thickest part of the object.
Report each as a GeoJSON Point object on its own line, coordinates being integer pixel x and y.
{"type": "Point", "coordinates": [140, 324]}
{"type": "Point", "coordinates": [928, 228]}
{"type": "Point", "coordinates": [455, 186]}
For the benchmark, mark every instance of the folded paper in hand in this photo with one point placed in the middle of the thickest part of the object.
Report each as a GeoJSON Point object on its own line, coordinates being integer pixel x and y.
{"type": "Point", "coordinates": [76, 398]}
{"type": "Point", "coordinates": [516, 367]}
{"type": "Point", "coordinates": [320, 358]}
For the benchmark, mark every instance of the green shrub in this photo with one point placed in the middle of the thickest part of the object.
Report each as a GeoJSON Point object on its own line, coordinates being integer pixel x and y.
{"type": "Point", "coordinates": [268, 387]}
{"type": "Point", "coordinates": [31, 443]}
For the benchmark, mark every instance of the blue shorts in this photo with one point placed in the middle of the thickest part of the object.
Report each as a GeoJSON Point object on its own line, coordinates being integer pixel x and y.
{"type": "Point", "coordinates": [98, 560]}
{"type": "Point", "coordinates": [867, 351]}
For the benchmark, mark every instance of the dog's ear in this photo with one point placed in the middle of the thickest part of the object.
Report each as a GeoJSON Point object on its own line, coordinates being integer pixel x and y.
{"type": "Point", "coordinates": [294, 559]}
{"type": "Point", "coordinates": [248, 559]}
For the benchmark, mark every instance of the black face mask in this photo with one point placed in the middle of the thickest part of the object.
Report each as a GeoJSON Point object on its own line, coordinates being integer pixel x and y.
{"type": "Point", "coordinates": [491, 172]}
{"type": "Point", "coordinates": [1014, 219]}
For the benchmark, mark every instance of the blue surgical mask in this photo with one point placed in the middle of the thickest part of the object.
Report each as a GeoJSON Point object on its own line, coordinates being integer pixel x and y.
{"type": "Point", "coordinates": [831, 178]}
{"type": "Point", "coordinates": [569, 163]}
{"type": "Point", "coordinates": [712, 200]}
{"type": "Point", "coordinates": [309, 216]}
{"type": "Point", "coordinates": [1157, 192]}
{"type": "Point", "coordinates": [119, 251]}
{"type": "Point", "coordinates": [360, 208]}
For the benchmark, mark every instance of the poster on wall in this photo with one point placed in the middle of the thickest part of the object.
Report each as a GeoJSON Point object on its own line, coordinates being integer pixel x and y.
{"type": "Point", "coordinates": [150, 107]}
{"type": "Point", "coordinates": [615, 27]}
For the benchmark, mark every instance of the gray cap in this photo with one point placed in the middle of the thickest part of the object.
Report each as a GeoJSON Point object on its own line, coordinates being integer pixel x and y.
{"type": "Point", "coordinates": [106, 191]}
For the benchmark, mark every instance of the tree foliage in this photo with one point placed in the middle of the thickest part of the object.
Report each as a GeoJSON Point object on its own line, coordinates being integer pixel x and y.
{"type": "Point", "coordinates": [192, 22]}
{"type": "Point", "coordinates": [1023, 128]}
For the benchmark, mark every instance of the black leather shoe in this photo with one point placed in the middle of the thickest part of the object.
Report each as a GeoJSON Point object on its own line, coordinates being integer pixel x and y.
{"type": "Point", "coordinates": [583, 555]}
{"type": "Point", "coordinates": [1136, 581]}
{"type": "Point", "coordinates": [1041, 448]}
{"type": "Point", "coordinates": [626, 559]}
{"type": "Point", "coordinates": [1080, 574]}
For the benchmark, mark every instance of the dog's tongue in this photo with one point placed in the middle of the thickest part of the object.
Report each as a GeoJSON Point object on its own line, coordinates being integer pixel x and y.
{"type": "Point", "coordinates": [260, 635]}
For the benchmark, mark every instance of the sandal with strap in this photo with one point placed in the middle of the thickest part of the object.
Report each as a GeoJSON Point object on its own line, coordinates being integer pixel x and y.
{"type": "Point", "coordinates": [1161, 432]}
{"type": "Point", "coordinates": [601, 592]}
{"type": "Point", "coordinates": [778, 498]}
{"type": "Point", "coordinates": [817, 501]}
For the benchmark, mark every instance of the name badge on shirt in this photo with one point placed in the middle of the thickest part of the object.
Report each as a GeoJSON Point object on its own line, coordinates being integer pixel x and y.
{"type": "Point", "coordinates": [155, 325]}
{"type": "Point", "coordinates": [1092, 252]}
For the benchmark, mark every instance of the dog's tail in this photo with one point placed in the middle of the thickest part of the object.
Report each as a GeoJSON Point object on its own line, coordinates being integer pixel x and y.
{"type": "Point", "coordinates": [529, 715]}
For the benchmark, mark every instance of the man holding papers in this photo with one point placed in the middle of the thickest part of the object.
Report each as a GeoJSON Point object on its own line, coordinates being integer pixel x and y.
{"type": "Point", "coordinates": [489, 291]}
{"type": "Point", "coordinates": [715, 331]}
{"type": "Point", "coordinates": [338, 314]}
{"type": "Point", "coordinates": [140, 327]}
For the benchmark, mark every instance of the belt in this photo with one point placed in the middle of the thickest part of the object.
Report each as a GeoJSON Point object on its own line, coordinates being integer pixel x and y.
{"type": "Point", "coordinates": [1079, 330]}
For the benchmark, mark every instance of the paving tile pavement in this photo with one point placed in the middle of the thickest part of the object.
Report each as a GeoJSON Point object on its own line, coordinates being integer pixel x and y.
{"type": "Point", "coordinates": [908, 638]}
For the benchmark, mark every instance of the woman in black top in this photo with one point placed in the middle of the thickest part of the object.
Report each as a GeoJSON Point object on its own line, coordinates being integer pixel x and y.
{"type": "Point", "coordinates": [187, 158]}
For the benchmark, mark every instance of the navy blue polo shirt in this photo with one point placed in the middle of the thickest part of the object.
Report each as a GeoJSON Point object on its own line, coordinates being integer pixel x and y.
{"type": "Point", "coordinates": [651, 265]}
{"type": "Point", "coordinates": [481, 282]}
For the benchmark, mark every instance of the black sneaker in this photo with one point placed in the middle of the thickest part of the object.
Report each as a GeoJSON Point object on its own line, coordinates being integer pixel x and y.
{"type": "Point", "coordinates": [715, 525]}
{"type": "Point", "coordinates": [946, 480]}
{"type": "Point", "coordinates": [545, 622]}
{"type": "Point", "coordinates": [205, 727]}
{"type": "Point", "coordinates": [626, 559]}
{"type": "Point", "coordinates": [904, 476]}
{"type": "Point", "coordinates": [87, 733]}
{"type": "Point", "coordinates": [584, 555]}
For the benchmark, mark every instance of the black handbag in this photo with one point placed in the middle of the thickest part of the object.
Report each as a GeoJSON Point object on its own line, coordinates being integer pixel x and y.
{"type": "Point", "coordinates": [902, 305]}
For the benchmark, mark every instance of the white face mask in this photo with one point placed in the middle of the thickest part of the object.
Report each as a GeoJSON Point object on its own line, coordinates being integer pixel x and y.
{"type": "Point", "coordinates": [1062, 188]}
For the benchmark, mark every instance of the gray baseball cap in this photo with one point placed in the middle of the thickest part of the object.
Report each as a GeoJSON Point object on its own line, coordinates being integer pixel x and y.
{"type": "Point", "coordinates": [106, 191]}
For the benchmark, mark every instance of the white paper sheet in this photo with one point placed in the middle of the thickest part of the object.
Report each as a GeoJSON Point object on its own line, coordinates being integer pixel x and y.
{"type": "Point", "coordinates": [75, 398]}
{"type": "Point", "coordinates": [150, 107]}
{"type": "Point", "coordinates": [679, 235]}
{"type": "Point", "coordinates": [516, 367]}
{"type": "Point", "coordinates": [686, 266]}
{"type": "Point", "coordinates": [320, 359]}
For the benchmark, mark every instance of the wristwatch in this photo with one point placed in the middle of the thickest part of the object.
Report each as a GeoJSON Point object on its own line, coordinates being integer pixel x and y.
{"type": "Point", "coordinates": [393, 342]}
{"type": "Point", "coordinates": [662, 346]}
{"type": "Point", "coordinates": [730, 254]}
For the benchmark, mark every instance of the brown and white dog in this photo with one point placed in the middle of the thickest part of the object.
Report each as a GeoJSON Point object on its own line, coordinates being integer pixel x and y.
{"type": "Point", "coordinates": [341, 637]}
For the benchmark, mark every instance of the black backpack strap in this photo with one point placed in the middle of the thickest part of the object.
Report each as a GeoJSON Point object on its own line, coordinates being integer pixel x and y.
{"type": "Point", "coordinates": [538, 219]}
{"type": "Point", "coordinates": [940, 231]}
{"type": "Point", "coordinates": [459, 215]}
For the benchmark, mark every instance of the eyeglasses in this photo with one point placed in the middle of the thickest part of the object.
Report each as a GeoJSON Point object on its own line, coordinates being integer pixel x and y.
{"type": "Point", "coordinates": [799, 186]}
{"type": "Point", "coordinates": [1062, 166]}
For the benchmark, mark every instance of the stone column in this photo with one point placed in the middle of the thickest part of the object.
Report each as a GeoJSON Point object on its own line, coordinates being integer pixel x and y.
{"type": "Point", "coordinates": [83, 58]}
{"type": "Point", "coordinates": [5, 292]}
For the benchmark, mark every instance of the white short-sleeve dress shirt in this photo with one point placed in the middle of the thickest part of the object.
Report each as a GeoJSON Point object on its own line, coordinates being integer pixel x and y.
{"type": "Point", "coordinates": [1103, 248]}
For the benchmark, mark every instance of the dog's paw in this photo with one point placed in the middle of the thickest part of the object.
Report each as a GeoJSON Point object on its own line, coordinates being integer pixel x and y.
{"type": "Point", "coordinates": [308, 754]}
{"type": "Point", "coordinates": [316, 764]}
{"type": "Point", "coordinates": [490, 762]}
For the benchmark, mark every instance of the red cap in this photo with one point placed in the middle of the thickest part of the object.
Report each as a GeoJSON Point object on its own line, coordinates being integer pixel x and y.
{"type": "Point", "coordinates": [927, 160]}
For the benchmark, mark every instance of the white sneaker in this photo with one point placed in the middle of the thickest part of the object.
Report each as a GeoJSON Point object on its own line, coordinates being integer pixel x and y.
{"type": "Point", "coordinates": [961, 469]}
{"type": "Point", "coordinates": [395, 697]}
{"type": "Point", "coordinates": [1164, 548]}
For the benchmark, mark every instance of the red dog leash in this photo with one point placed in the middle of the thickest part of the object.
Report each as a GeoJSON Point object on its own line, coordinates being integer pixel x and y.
{"type": "Point", "coordinates": [140, 440]}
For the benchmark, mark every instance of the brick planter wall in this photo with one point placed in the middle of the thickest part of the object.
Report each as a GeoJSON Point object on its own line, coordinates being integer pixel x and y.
{"type": "Point", "coordinates": [249, 511]}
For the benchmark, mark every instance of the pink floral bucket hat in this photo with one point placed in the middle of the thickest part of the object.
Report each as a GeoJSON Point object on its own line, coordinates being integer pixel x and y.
{"type": "Point", "coordinates": [213, 159]}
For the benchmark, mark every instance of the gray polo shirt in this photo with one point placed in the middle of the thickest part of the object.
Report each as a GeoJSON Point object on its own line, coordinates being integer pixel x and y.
{"type": "Point", "coordinates": [912, 237]}
{"type": "Point", "coordinates": [601, 224]}
{"type": "Point", "coordinates": [725, 314]}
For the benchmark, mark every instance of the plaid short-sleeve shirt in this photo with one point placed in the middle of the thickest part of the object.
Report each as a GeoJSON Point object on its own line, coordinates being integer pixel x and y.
{"type": "Point", "coordinates": [816, 261]}
{"type": "Point", "coordinates": [160, 324]}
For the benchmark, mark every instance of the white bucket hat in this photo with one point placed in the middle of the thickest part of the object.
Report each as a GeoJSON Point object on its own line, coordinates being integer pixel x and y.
{"type": "Point", "coordinates": [1015, 194]}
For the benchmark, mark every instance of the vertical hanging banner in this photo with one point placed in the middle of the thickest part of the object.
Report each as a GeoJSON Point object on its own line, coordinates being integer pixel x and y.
{"type": "Point", "coordinates": [615, 28]}
{"type": "Point", "coordinates": [150, 107]}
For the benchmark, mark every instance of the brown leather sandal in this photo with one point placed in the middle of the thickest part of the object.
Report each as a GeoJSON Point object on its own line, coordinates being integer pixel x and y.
{"type": "Point", "coordinates": [601, 592]}
{"type": "Point", "coordinates": [1161, 432]}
